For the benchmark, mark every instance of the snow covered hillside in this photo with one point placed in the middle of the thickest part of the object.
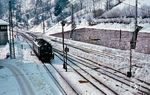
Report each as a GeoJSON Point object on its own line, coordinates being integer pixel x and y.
{"type": "Point", "coordinates": [86, 12]}
{"type": "Point", "coordinates": [127, 9]}
{"type": "Point", "coordinates": [119, 17]}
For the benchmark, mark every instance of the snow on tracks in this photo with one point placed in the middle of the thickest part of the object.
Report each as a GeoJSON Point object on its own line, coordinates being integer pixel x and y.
{"type": "Point", "coordinates": [23, 82]}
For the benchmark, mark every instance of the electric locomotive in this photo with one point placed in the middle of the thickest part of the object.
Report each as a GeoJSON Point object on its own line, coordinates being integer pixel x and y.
{"type": "Point", "coordinates": [43, 50]}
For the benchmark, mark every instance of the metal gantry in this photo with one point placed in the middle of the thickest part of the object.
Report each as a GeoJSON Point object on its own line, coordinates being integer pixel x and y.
{"type": "Point", "coordinates": [11, 32]}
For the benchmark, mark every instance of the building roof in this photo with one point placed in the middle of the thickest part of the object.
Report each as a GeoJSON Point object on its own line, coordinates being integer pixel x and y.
{"type": "Point", "coordinates": [2, 22]}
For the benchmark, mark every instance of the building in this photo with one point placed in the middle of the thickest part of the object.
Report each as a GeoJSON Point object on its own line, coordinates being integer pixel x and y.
{"type": "Point", "coordinates": [3, 32]}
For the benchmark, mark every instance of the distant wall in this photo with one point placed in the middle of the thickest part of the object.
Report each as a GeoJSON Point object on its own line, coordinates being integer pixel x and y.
{"type": "Point", "coordinates": [110, 38]}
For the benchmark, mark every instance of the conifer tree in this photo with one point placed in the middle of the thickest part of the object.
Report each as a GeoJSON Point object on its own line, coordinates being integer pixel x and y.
{"type": "Point", "coordinates": [60, 5]}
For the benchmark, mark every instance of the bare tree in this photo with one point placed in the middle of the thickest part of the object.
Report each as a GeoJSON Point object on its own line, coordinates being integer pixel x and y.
{"type": "Point", "coordinates": [109, 4]}
{"type": "Point", "coordinates": [49, 5]}
{"type": "Point", "coordinates": [37, 5]}
{"type": "Point", "coordinates": [81, 5]}
{"type": "Point", "coordinates": [119, 1]}
{"type": "Point", "coordinates": [93, 5]}
{"type": "Point", "coordinates": [51, 12]}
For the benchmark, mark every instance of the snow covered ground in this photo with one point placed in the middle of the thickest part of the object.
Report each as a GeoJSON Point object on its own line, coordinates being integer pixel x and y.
{"type": "Point", "coordinates": [57, 28]}
{"type": "Point", "coordinates": [24, 75]}
{"type": "Point", "coordinates": [113, 58]}
{"type": "Point", "coordinates": [27, 69]}
{"type": "Point", "coordinates": [111, 26]}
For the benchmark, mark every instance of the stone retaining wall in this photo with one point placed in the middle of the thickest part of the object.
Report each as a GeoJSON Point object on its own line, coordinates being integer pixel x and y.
{"type": "Point", "coordinates": [110, 38]}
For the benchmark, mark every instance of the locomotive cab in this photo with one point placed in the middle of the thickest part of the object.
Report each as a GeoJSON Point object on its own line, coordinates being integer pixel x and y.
{"type": "Point", "coordinates": [44, 51]}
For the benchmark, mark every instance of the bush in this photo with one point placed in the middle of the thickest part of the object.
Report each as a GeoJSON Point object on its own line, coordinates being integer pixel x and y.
{"type": "Point", "coordinates": [145, 13]}
{"type": "Point", "coordinates": [97, 13]}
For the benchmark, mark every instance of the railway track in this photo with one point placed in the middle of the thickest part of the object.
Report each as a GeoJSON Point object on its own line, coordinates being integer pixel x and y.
{"type": "Point", "coordinates": [58, 84]}
{"type": "Point", "coordinates": [23, 82]}
{"type": "Point", "coordinates": [103, 70]}
{"type": "Point", "coordinates": [99, 53]}
{"type": "Point", "coordinates": [122, 79]}
{"type": "Point", "coordinates": [102, 93]}
{"type": "Point", "coordinates": [120, 76]}
{"type": "Point", "coordinates": [64, 92]}
{"type": "Point", "coordinates": [103, 54]}
{"type": "Point", "coordinates": [63, 78]}
{"type": "Point", "coordinates": [90, 78]}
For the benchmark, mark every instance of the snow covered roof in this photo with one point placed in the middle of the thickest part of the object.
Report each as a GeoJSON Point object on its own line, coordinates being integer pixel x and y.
{"type": "Point", "coordinates": [2, 22]}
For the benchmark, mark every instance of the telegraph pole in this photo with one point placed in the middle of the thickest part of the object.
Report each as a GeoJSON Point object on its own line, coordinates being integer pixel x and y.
{"type": "Point", "coordinates": [64, 63]}
{"type": "Point", "coordinates": [136, 13]}
{"type": "Point", "coordinates": [13, 45]}
{"type": "Point", "coordinates": [134, 38]}
{"type": "Point", "coordinates": [94, 5]}
{"type": "Point", "coordinates": [12, 48]}
{"type": "Point", "coordinates": [10, 15]}
{"type": "Point", "coordinates": [107, 5]}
